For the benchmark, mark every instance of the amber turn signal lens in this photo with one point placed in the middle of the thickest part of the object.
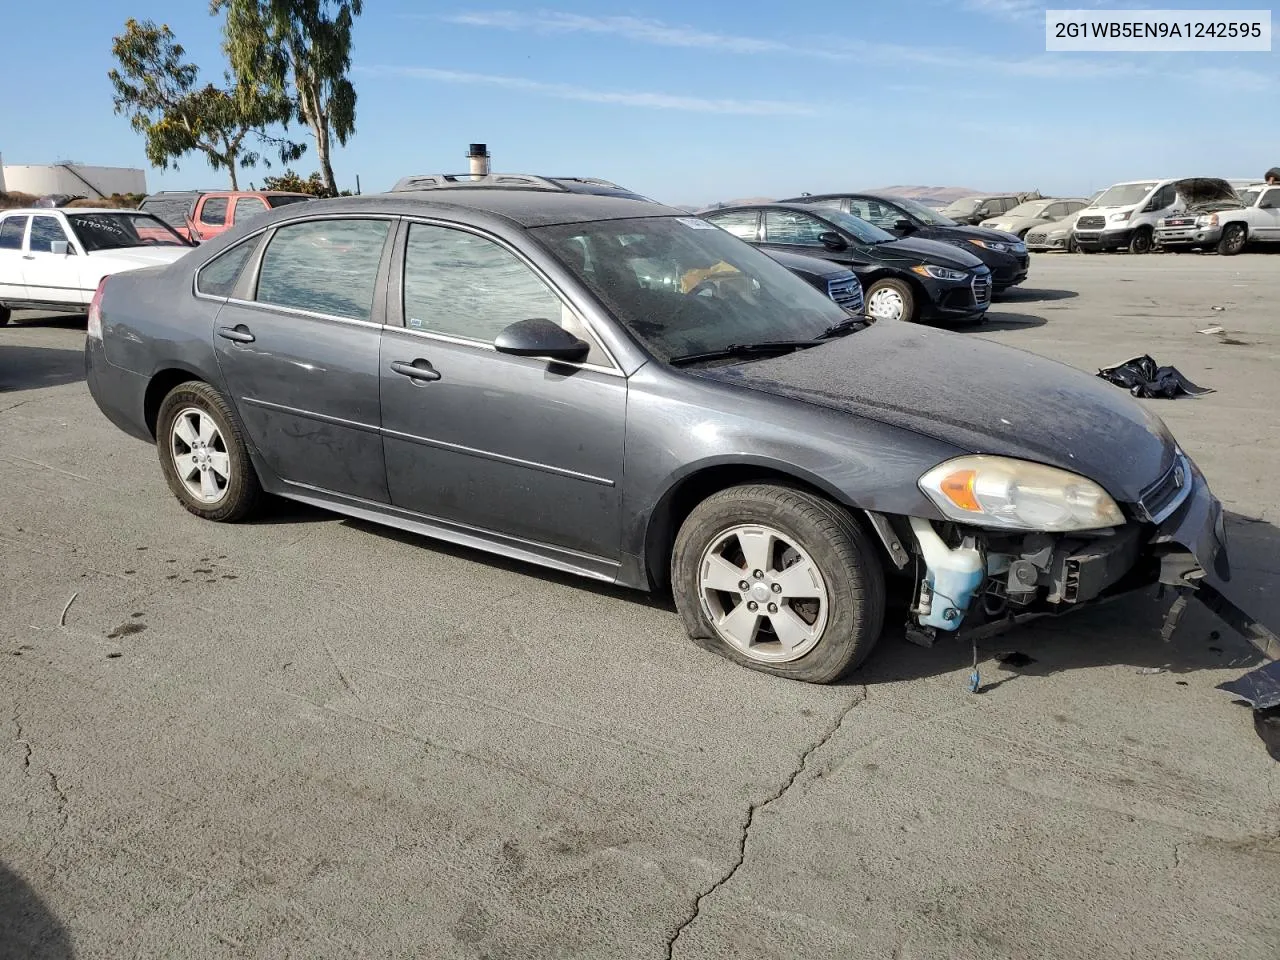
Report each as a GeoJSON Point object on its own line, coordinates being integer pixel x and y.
{"type": "Point", "coordinates": [958, 488]}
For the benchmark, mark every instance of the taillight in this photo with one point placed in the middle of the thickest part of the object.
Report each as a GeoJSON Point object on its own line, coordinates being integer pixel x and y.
{"type": "Point", "coordinates": [95, 311]}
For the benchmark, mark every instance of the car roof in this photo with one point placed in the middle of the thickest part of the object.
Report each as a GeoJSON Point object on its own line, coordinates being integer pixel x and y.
{"type": "Point", "coordinates": [46, 211]}
{"type": "Point", "coordinates": [526, 208]}
{"type": "Point", "coordinates": [762, 205]}
{"type": "Point", "coordinates": [872, 194]}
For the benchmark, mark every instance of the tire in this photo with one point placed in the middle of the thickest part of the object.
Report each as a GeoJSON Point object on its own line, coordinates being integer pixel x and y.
{"type": "Point", "coordinates": [1142, 241]}
{"type": "Point", "coordinates": [1072, 246]}
{"type": "Point", "coordinates": [5, 314]}
{"type": "Point", "coordinates": [836, 614]}
{"type": "Point", "coordinates": [216, 445]}
{"type": "Point", "coordinates": [1233, 239]}
{"type": "Point", "coordinates": [892, 291]}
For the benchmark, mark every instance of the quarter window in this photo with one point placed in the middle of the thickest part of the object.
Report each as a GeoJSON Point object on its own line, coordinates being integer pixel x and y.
{"type": "Point", "coordinates": [44, 232]}
{"type": "Point", "coordinates": [324, 266]}
{"type": "Point", "coordinates": [462, 285]}
{"type": "Point", "coordinates": [11, 231]}
{"type": "Point", "coordinates": [742, 224]}
{"type": "Point", "coordinates": [796, 229]}
{"type": "Point", "coordinates": [219, 276]}
{"type": "Point", "coordinates": [214, 211]}
{"type": "Point", "coordinates": [247, 208]}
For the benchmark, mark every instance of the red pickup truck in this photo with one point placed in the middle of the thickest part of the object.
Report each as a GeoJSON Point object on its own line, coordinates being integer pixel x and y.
{"type": "Point", "coordinates": [201, 214]}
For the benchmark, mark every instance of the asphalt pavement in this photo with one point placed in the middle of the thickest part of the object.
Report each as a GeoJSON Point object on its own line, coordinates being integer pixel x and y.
{"type": "Point", "coordinates": [308, 737]}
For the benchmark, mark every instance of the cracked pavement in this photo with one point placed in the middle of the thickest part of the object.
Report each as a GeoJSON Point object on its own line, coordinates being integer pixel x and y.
{"type": "Point", "coordinates": [307, 737]}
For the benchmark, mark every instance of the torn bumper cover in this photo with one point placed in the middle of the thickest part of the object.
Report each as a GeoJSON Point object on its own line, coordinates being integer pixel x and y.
{"type": "Point", "coordinates": [986, 581]}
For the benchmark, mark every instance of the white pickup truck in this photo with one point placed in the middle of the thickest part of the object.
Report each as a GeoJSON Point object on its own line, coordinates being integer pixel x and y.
{"type": "Point", "coordinates": [53, 259]}
{"type": "Point", "coordinates": [1226, 225]}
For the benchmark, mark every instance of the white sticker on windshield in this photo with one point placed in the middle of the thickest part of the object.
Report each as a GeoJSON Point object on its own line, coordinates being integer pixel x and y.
{"type": "Point", "coordinates": [697, 224]}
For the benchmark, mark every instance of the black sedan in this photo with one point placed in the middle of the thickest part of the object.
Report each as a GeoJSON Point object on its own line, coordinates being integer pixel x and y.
{"type": "Point", "coordinates": [615, 389]}
{"type": "Point", "coordinates": [909, 279]}
{"type": "Point", "coordinates": [1004, 253]}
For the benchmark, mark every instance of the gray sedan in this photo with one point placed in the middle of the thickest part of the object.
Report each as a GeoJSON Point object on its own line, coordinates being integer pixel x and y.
{"type": "Point", "coordinates": [616, 389]}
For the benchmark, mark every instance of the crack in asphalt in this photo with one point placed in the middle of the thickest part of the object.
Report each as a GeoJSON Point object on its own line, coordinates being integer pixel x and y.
{"type": "Point", "coordinates": [744, 833]}
{"type": "Point", "coordinates": [62, 798]}
{"type": "Point", "coordinates": [26, 744]}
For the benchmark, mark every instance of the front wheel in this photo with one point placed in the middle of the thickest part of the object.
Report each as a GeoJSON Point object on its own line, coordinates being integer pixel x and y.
{"type": "Point", "coordinates": [5, 314]}
{"type": "Point", "coordinates": [1072, 246]}
{"type": "Point", "coordinates": [1141, 241]}
{"type": "Point", "coordinates": [203, 455]}
{"type": "Point", "coordinates": [779, 580]}
{"type": "Point", "coordinates": [1234, 237]}
{"type": "Point", "coordinates": [891, 299]}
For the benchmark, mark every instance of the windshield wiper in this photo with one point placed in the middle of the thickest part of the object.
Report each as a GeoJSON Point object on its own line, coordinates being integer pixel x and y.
{"type": "Point", "coordinates": [745, 350]}
{"type": "Point", "coordinates": [851, 325]}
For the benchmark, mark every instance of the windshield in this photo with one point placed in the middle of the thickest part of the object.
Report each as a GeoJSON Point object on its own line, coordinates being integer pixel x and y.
{"type": "Point", "coordinates": [681, 285]}
{"type": "Point", "coordinates": [962, 207]}
{"type": "Point", "coordinates": [115, 231]}
{"type": "Point", "coordinates": [1249, 197]}
{"type": "Point", "coordinates": [274, 202]}
{"type": "Point", "coordinates": [1034, 208]}
{"type": "Point", "coordinates": [858, 228]}
{"type": "Point", "coordinates": [1125, 195]}
{"type": "Point", "coordinates": [924, 214]}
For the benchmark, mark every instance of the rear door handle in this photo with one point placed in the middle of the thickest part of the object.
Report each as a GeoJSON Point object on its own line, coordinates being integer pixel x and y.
{"type": "Point", "coordinates": [239, 334]}
{"type": "Point", "coordinates": [419, 369]}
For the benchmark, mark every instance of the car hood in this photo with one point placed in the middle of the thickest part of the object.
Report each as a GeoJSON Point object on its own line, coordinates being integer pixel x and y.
{"type": "Point", "coordinates": [972, 233]}
{"type": "Point", "coordinates": [1014, 225]}
{"type": "Point", "coordinates": [913, 250]}
{"type": "Point", "coordinates": [1202, 193]}
{"type": "Point", "coordinates": [142, 256]}
{"type": "Point", "coordinates": [977, 395]}
{"type": "Point", "coordinates": [814, 266]}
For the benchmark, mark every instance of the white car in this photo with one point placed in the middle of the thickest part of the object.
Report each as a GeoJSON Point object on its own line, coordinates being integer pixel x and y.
{"type": "Point", "coordinates": [53, 259]}
{"type": "Point", "coordinates": [1227, 224]}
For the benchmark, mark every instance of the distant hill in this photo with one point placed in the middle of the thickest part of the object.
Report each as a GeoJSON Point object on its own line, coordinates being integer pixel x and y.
{"type": "Point", "coordinates": [930, 196]}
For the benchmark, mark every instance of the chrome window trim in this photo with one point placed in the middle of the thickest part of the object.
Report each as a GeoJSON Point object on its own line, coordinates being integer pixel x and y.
{"type": "Point", "coordinates": [481, 345]}
{"type": "Point", "coordinates": [582, 315]}
{"type": "Point", "coordinates": [294, 311]}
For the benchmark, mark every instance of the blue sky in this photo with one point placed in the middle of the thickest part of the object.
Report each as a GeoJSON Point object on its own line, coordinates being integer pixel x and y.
{"type": "Point", "coordinates": [691, 103]}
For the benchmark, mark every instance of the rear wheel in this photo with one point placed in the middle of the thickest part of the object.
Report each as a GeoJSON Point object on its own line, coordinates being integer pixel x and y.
{"type": "Point", "coordinates": [779, 580]}
{"type": "Point", "coordinates": [1234, 237]}
{"type": "Point", "coordinates": [1141, 241]}
{"type": "Point", "coordinates": [5, 314]}
{"type": "Point", "coordinates": [891, 299]}
{"type": "Point", "coordinates": [203, 455]}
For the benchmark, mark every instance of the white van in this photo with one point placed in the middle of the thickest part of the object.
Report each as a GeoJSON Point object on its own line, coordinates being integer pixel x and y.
{"type": "Point", "coordinates": [1124, 216]}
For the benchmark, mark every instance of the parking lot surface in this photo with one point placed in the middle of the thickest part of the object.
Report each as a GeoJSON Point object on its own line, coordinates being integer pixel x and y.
{"type": "Point", "coordinates": [309, 737]}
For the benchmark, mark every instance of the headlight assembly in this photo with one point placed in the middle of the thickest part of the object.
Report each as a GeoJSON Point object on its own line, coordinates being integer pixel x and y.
{"type": "Point", "coordinates": [1008, 494]}
{"type": "Point", "coordinates": [996, 245]}
{"type": "Point", "coordinates": [939, 273]}
{"type": "Point", "coordinates": [1119, 217]}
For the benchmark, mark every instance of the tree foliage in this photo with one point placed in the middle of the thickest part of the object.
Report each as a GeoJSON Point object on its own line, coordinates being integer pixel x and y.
{"type": "Point", "coordinates": [299, 49]}
{"type": "Point", "coordinates": [160, 94]}
{"type": "Point", "coordinates": [291, 182]}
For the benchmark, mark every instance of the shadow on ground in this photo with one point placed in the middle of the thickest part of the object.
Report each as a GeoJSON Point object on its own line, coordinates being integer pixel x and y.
{"type": "Point", "coordinates": [30, 368]}
{"type": "Point", "coordinates": [1005, 320]}
{"type": "Point", "coordinates": [28, 929]}
{"type": "Point", "coordinates": [1031, 295]}
{"type": "Point", "coordinates": [59, 321]}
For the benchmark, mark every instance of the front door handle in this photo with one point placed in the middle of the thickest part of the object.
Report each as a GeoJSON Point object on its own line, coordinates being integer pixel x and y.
{"type": "Point", "coordinates": [238, 334]}
{"type": "Point", "coordinates": [419, 370]}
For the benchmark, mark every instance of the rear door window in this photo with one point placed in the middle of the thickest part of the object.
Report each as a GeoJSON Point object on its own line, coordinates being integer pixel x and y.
{"type": "Point", "coordinates": [11, 231]}
{"type": "Point", "coordinates": [744, 223]}
{"type": "Point", "coordinates": [247, 208]}
{"type": "Point", "coordinates": [214, 211]}
{"type": "Point", "coordinates": [328, 267]}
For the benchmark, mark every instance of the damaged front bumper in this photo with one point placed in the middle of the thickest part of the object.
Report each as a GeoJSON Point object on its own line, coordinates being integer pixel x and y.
{"type": "Point", "coordinates": [977, 582]}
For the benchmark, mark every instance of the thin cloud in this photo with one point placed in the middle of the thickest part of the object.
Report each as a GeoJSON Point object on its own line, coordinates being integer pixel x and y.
{"type": "Point", "coordinates": [564, 91]}
{"type": "Point", "coordinates": [1007, 9]}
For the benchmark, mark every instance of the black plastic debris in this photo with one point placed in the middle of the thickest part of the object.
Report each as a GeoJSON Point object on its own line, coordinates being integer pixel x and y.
{"type": "Point", "coordinates": [1143, 377]}
{"type": "Point", "coordinates": [1259, 688]}
{"type": "Point", "coordinates": [1016, 660]}
{"type": "Point", "coordinates": [1267, 723]}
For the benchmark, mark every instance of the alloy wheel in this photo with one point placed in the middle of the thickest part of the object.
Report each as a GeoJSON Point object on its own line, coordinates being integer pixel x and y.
{"type": "Point", "coordinates": [763, 594]}
{"type": "Point", "coordinates": [200, 455]}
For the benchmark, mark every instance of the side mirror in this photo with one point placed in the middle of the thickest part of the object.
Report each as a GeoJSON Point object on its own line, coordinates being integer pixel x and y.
{"type": "Point", "coordinates": [904, 226]}
{"type": "Point", "coordinates": [833, 241]}
{"type": "Point", "coordinates": [61, 248]}
{"type": "Point", "coordinates": [539, 337]}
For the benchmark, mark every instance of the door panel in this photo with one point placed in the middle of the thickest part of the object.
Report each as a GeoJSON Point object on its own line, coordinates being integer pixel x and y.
{"type": "Point", "coordinates": [53, 277]}
{"type": "Point", "coordinates": [302, 362]}
{"type": "Point", "coordinates": [509, 444]}
{"type": "Point", "coordinates": [13, 230]}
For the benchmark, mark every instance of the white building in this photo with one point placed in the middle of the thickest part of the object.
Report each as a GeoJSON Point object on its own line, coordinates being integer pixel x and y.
{"type": "Point", "coordinates": [72, 178]}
